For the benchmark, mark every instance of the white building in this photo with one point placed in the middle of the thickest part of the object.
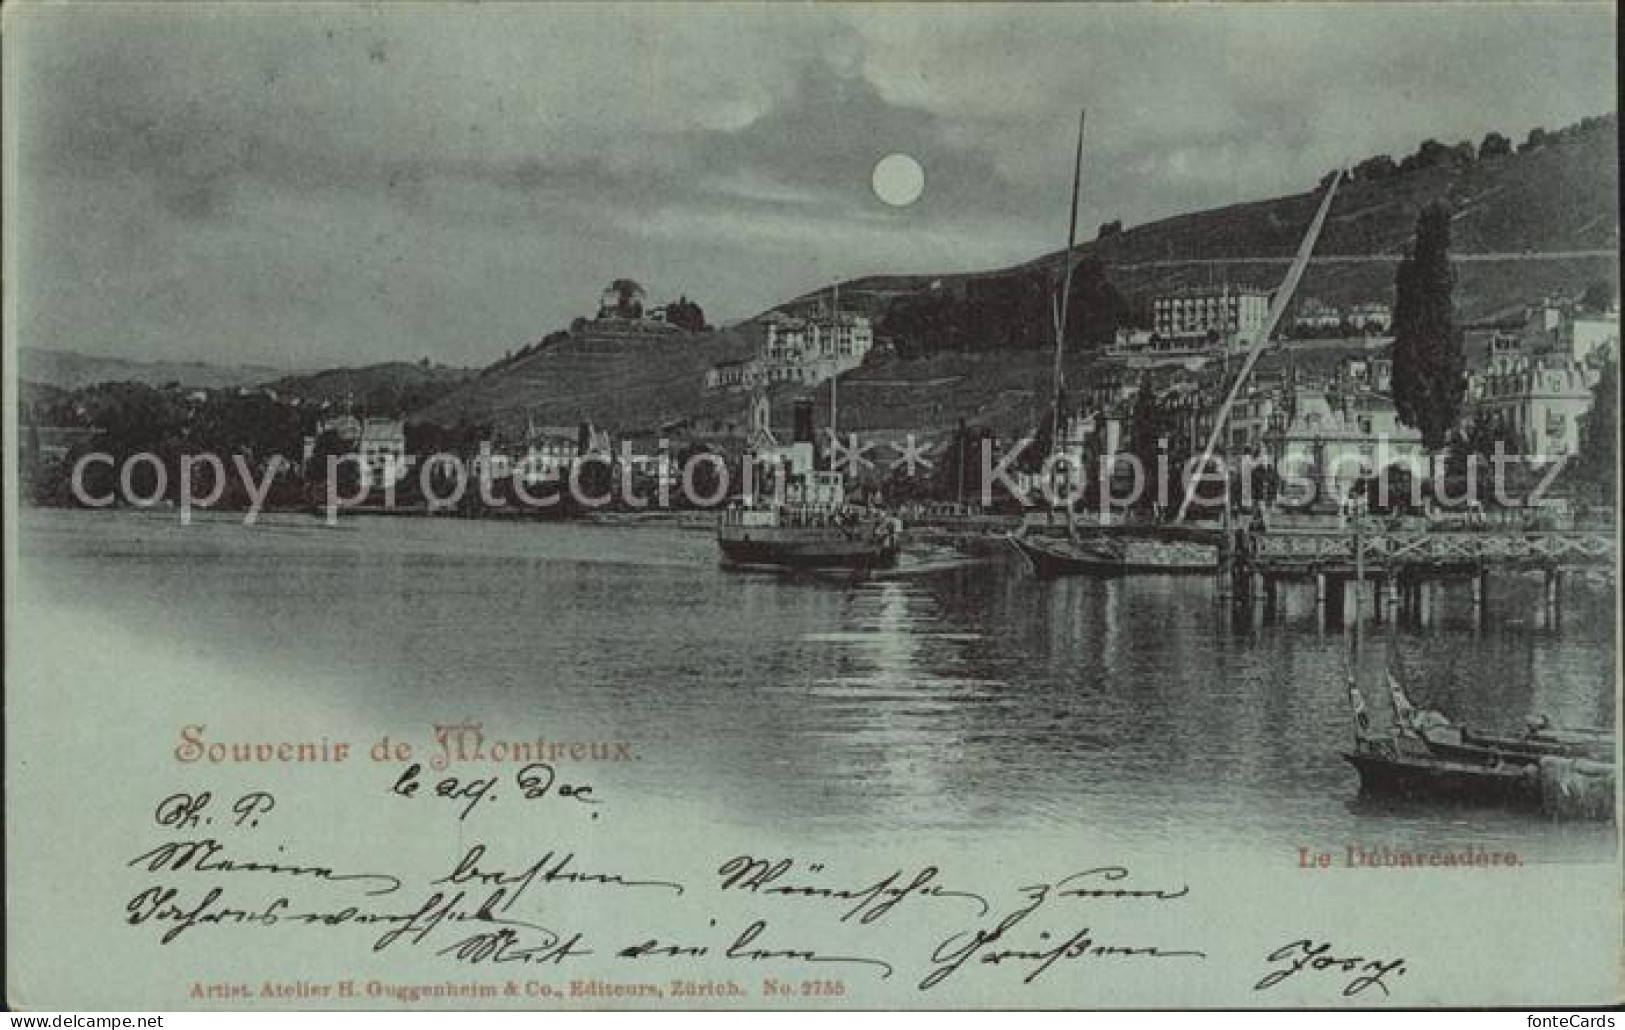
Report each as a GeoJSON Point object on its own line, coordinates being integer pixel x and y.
{"type": "Point", "coordinates": [549, 452]}
{"type": "Point", "coordinates": [1251, 418]}
{"type": "Point", "coordinates": [1344, 437]}
{"type": "Point", "coordinates": [1540, 399]}
{"type": "Point", "coordinates": [1316, 316]}
{"type": "Point", "coordinates": [1130, 341]}
{"type": "Point", "coordinates": [726, 375]}
{"type": "Point", "coordinates": [378, 443]}
{"type": "Point", "coordinates": [1589, 338]}
{"type": "Point", "coordinates": [1370, 317]}
{"type": "Point", "coordinates": [1213, 316]}
{"type": "Point", "coordinates": [804, 351]}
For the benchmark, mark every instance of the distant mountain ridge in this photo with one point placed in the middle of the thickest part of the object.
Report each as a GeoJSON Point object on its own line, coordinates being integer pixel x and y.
{"type": "Point", "coordinates": [69, 370]}
{"type": "Point", "coordinates": [386, 389]}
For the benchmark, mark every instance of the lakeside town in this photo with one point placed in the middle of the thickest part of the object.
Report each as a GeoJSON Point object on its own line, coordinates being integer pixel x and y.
{"type": "Point", "coordinates": [947, 405]}
{"type": "Point", "coordinates": [1541, 389]}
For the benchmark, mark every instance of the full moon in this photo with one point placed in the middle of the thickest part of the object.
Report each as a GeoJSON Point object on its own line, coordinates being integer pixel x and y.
{"type": "Point", "coordinates": [898, 180]}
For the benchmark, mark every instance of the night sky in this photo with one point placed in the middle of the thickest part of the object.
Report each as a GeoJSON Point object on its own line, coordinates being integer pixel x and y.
{"type": "Point", "coordinates": [313, 186]}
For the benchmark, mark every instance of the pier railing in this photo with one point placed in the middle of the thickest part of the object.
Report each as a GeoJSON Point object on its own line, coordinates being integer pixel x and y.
{"type": "Point", "coordinates": [1510, 550]}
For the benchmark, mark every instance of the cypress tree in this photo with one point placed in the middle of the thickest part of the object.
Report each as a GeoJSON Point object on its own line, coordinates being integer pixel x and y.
{"type": "Point", "coordinates": [1429, 374]}
{"type": "Point", "coordinates": [1599, 431]}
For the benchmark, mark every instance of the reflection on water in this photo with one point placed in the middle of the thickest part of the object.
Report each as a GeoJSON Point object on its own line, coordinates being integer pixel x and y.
{"type": "Point", "coordinates": [973, 699]}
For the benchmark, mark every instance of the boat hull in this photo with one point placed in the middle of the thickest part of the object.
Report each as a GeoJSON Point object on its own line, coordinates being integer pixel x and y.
{"type": "Point", "coordinates": [1119, 554]}
{"type": "Point", "coordinates": [804, 548]}
{"type": "Point", "coordinates": [1431, 779]}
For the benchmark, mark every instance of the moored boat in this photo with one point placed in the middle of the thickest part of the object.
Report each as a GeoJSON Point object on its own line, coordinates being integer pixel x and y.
{"type": "Point", "coordinates": [1560, 773]}
{"type": "Point", "coordinates": [1413, 777]}
{"type": "Point", "coordinates": [808, 524]}
{"type": "Point", "coordinates": [1116, 551]}
{"type": "Point", "coordinates": [1423, 755]}
{"type": "Point", "coordinates": [802, 535]}
{"type": "Point", "coordinates": [807, 519]}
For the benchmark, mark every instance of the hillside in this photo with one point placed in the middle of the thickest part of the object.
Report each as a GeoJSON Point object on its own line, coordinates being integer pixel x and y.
{"type": "Point", "coordinates": [394, 387]}
{"type": "Point", "coordinates": [69, 370]}
{"type": "Point", "coordinates": [1527, 225]}
{"type": "Point", "coordinates": [629, 383]}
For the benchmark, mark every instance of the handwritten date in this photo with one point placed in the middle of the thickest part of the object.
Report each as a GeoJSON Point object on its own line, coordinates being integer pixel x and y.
{"type": "Point", "coordinates": [535, 781]}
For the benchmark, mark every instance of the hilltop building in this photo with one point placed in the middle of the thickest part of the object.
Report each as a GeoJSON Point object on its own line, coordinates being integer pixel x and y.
{"type": "Point", "coordinates": [623, 298]}
{"type": "Point", "coordinates": [624, 320]}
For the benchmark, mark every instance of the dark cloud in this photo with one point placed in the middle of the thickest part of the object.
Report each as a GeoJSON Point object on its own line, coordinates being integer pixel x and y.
{"type": "Point", "coordinates": [321, 184]}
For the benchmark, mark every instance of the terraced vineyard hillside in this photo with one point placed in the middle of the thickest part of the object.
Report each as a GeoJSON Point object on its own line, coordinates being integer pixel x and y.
{"type": "Point", "coordinates": [1527, 225]}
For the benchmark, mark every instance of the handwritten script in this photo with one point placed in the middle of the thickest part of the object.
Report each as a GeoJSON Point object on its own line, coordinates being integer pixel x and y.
{"type": "Point", "coordinates": [219, 865]}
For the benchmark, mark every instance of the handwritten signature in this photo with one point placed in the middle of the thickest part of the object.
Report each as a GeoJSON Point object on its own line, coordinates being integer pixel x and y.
{"type": "Point", "coordinates": [1305, 955]}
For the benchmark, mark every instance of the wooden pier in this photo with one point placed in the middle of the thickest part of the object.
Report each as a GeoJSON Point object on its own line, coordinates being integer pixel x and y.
{"type": "Point", "coordinates": [1399, 565]}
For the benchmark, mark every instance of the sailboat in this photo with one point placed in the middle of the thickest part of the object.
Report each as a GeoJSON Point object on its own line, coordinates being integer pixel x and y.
{"type": "Point", "coordinates": [1179, 546]}
{"type": "Point", "coordinates": [1423, 756]}
{"type": "Point", "coordinates": [808, 520]}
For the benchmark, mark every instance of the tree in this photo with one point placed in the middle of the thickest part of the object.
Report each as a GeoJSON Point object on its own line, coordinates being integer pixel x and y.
{"type": "Point", "coordinates": [134, 417]}
{"type": "Point", "coordinates": [1599, 296]}
{"type": "Point", "coordinates": [1148, 424]}
{"type": "Point", "coordinates": [1494, 145]}
{"type": "Point", "coordinates": [1111, 228]}
{"type": "Point", "coordinates": [1095, 309]}
{"type": "Point", "coordinates": [1536, 139]}
{"type": "Point", "coordinates": [686, 314]}
{"type": "Point", "coordinates": [255, 425]}
{"type": "Point", "coordinates": [1429, 154]}
{"type": "Point", "coordinates": [1373, 168]}
{"type": "Point", "coordinates": [1598, 460]}
{"type": "Point", "coordinates": [923, 324]}
{"type": "Point", "coordinates": [346, 472]}
{"type": "Point", "coordinates": [628, 298]}
{"type": "Point", "coordinates": [1429, 373]}
{"type": "Point", "coordinates": [705, 478]}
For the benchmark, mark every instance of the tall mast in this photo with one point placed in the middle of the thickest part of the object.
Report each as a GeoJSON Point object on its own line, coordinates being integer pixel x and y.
{"type": "Point", "coordinates": [1283, 296]}
{"type": "Point", "coordinates": [835, 348]}
{"type": "Point", "coordinates": [1359, 586]}
{"type": "Point", "coordinates": [1066, 291]}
